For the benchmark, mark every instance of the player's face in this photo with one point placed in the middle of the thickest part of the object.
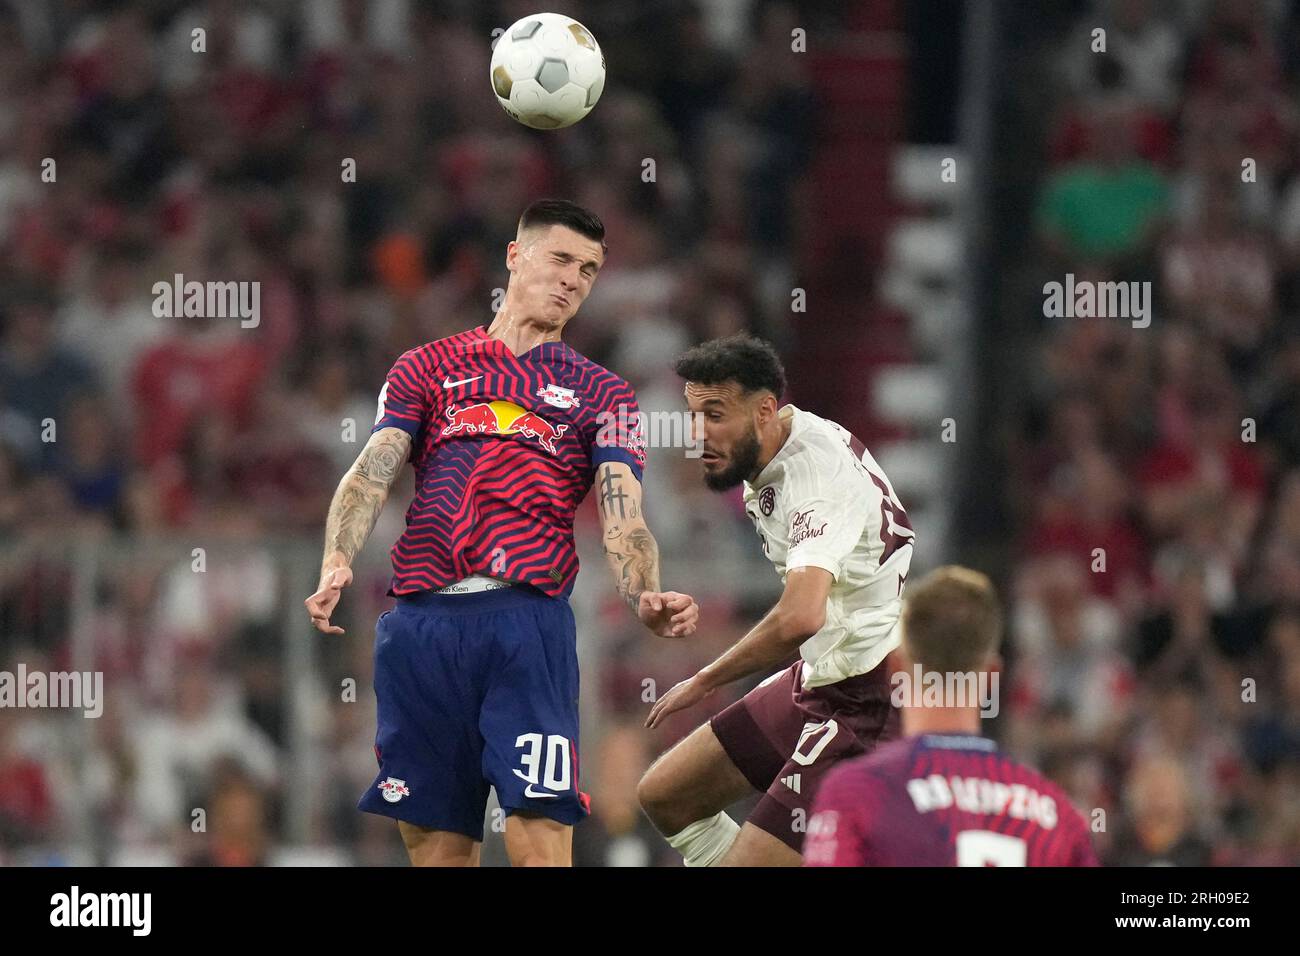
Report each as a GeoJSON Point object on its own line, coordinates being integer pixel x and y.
{"type": "Point", "coordinates": [731, 448]}
{"type": "Point", "coordinates": [553, 270]}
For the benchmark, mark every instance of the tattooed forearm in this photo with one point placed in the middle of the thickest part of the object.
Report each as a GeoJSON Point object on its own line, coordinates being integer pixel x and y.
{"type": "Point", "coordinates": [352, 517]}
{"type": "Point", "coordinates": [361, 496]}
{"type": "Point", "coordinates": [633, 555]}
{"type": "Point", "coordinates": [630, 548]}
{"type": "Point", "coordinates": [612, 496]}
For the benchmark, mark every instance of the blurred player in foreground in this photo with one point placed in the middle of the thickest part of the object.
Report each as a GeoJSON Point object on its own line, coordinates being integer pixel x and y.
{"type": "Point", "coordinates": [476, 667]}
{"type": "Point", "coordinates": [839, 538]}
{"type": "Point", "coordinates": [944, 795]}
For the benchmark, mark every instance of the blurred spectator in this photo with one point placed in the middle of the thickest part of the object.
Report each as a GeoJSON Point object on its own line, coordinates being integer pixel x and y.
{"type": "Point", "coordinates": [1234, 89]}
{"type": "Point", "coordinates": [208, 371]}
{"type": "Point", "coordinates": [327, 401]}
{"type": "Point", "coordinates": [1159, 829]}
{"type": "Point", "coordinates": [27, 806]}
{"type": "Point", "coordinates": [1107, 208]}
{"type": "Point", "coordinates": [1178, 727]}
{"type": "Point", "coordinates": [1186, 484]}
{"type": "Point", "coordinates": [1068, 659]}
{"type": "Point", "coordinates": [1180, 640]}
{"type": "Point", "coordinates": [179, 749]}
{"type": "Point", "coordinates": [112, 321]}
{"type": "Point", "coordinates": [87, 462]}
{"type": "Point", "coordinates": [1273, 737]}
{"type": "Point", "coordinates": [1144, 48]}
{"type": "Point", "coordinates": [124, 116]}
{"type": "Point", "coordinates": [1220, 275]}
{"type": "Point", "coordinates": [237, 832]}
{"type": "Point", "coordinates": [1086, 508]}
{"type": "Point", "coordinates": [38, 377]}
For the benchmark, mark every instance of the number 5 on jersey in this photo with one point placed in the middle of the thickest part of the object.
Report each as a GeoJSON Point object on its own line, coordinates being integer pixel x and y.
{"type": "Point", "coordinates": [988, 848]}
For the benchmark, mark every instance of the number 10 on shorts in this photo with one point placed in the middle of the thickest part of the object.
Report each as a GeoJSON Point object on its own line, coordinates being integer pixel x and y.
{"type": "Point", "coordinates": [557, 761]}
{"type": "Point", "coordinates": [810, 730]}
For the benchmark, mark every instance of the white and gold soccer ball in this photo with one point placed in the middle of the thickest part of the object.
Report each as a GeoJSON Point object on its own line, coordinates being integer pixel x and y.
{"type": "Point", "coordinates": [547, 71]}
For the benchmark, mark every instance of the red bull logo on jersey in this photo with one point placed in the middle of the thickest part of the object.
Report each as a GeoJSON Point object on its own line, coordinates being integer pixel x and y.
{"type": "Point", "coordinates": [502, 418]}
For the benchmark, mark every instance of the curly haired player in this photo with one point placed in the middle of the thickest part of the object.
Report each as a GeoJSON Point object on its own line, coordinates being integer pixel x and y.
{"type": "Point", "coordinates": [837, 534]}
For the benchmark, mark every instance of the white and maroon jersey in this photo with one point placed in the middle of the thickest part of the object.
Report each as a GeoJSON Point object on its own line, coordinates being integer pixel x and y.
{"type": "Point", "coordinates": [943, 800]}
{"type": "Point", "coordinates": [822, 501]}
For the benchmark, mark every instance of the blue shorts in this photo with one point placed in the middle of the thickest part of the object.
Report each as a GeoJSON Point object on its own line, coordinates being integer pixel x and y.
{"type": "Point", "coordinates": [476, 690]}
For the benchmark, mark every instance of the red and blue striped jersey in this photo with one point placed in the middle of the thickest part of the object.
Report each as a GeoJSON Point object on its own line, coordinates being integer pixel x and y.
{"type": "Point", "coordinates": [505, 448]}
{"type": "Point", "coordinates": [943, 800]}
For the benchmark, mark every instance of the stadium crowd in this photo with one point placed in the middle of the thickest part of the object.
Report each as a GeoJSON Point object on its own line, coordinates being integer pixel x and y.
{"type": "Point", "coordinates": [1156, 472]}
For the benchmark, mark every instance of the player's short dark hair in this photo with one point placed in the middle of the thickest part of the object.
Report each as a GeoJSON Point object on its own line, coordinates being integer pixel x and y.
{"type": "Point", "coordinates": [748, 361]}
{"type": "Point", "coordinates": [952, 620]}
{"type": "Point", "coordinates": [561, 212]}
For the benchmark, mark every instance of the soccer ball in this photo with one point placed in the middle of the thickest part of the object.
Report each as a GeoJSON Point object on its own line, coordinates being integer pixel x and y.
{"type": "Point", "coordinates": [547, 71]}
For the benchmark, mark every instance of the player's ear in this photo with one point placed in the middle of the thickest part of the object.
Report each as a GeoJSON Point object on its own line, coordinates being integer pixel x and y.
{"type": "Point", "coordinates": [512, 253]}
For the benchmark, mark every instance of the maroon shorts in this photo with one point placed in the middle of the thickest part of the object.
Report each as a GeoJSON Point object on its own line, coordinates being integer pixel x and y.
{"type": "Point", "coordinates": [784, 737]}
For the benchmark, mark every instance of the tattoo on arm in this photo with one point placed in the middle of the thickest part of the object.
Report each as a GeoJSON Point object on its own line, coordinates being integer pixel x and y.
{"type": "Point", "coordinates": [612, 495]}
{"type": "Point", "coordinates": [362, 493]}
{"type": "Point", "coordinates": [630, 548]}
{"type": "Point", "coordinates": [634, 557]}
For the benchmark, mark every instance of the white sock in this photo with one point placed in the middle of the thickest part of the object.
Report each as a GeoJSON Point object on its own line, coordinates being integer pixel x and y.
{"type": "Point", "coordinates": [704, 842]}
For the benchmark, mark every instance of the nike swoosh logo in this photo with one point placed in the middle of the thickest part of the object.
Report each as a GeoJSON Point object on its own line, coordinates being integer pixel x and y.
{"type": "Point", "coordinates": [448, 383]}
{"type": "Point", "coordinates": [529, 792]}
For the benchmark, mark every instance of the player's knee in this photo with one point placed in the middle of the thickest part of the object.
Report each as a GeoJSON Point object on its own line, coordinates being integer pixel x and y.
{"type": "Point", "coordinates": [648, 792]}
{"type": "Point", "coordinates": [413, 838]}
{"type": "Point", "coordinates": [420, 846]}
{"type": "Point", "coordinates": [539, 858]}
{"type": "Point", "coordinates": [533, 840]}
{"type": "Point", "coordinates": [657, 798]}
{"type": "Point", "coordinates": [427, 847]}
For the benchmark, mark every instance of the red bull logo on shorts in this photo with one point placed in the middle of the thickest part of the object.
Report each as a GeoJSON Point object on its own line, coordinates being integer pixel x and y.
{"type": "Point", "coordinates": [502, 418]}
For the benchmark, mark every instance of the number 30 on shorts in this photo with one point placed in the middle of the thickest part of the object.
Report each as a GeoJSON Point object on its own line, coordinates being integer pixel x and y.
{"type": "Point", "coordinates": [557, 761]}
{"type": "Point", "coordinates": [802, 754]}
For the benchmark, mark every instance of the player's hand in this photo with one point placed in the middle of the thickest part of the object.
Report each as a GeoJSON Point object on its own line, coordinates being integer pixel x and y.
{"type": "Point", "coordinates": [668, 613]}
{"type": "Point", "coordinates": [686, 694]}
{"type": "Point", "coordinates": [321, 604]}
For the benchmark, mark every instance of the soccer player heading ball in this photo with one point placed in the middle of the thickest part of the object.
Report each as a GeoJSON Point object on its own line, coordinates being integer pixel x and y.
{"type": "Point", "coordinates": [944, 795]}
{"type": "Point", "coordinates": [476, 668]}
{"type": "Point", "coordinates": [830, 522]}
